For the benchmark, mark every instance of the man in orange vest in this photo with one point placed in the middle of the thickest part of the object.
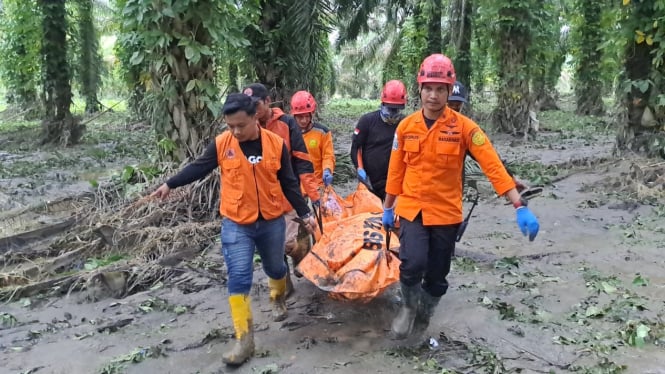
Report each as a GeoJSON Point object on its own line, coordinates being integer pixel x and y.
{"type": "Point", "coordinates": [373, 136]}
{"type": "Point", "coordinates": [424, 188]}
{"type": "Point", "coordinates": [284, 125]}
{"type": "Point", "coordinates": [256, 174]}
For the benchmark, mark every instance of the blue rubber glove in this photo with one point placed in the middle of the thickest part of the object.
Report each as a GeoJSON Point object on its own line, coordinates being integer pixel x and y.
{"type": "Point", "coordinates": [327, 177]}
{"type": "Point", "coordinates": [362, 175]}
{"type": "Point", "coordinates": [527, 222]}
{"type": "Point", "coordinates": [388, 218]}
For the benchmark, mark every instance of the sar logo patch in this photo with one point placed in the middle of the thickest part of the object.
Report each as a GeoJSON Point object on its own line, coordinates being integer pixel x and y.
{"type": "Point", "coordinates": [230, 153]}
{"type": "Point", "coordinates": [478, 138]}
{"type": "Point", "coordinates": [395, 143]}
{"type": "Point", "coordinates": [356, 131]}
{"type": "Point", "coordinates": [313, 143]}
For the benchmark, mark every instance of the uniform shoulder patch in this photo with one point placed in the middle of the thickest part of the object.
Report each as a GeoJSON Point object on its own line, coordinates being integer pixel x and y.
{"type": "Point", "coordinates": [395, 143]}
{"type": "Point", "coordinates": [478, 138]}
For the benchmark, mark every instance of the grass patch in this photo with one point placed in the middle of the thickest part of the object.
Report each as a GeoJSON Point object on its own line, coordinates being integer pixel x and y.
{"type": "Point", "coordinates": [349, 107]}
{"type": "Point", "coordinates": [534, 172]}
{"type": "Point", "coordinates": [569, 122]}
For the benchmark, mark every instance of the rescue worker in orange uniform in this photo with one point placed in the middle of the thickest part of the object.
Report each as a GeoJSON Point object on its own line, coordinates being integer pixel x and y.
{"type": "Point", "coordinates": [256, 173]}
{"type": "Point", "coordinates": [373, 136]}
{"type": "Point", "coordinates": [318, 138]}
{"type": "Point", "coordinates": [424, 189]}
{"type": "Point", "coordinates": [284, 125]}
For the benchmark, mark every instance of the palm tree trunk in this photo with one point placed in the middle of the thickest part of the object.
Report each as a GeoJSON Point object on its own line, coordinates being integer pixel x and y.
{"type": "Point", "coordinates": [434, 43]}
{"type": "Point", "coordinates": [511, 114]}
{"type": "Point", "coordinates": [90, 59]}
{"type": "Point", "coordinates": [59, 126]}
{"type": "Point", "coordinates": [589, 87]}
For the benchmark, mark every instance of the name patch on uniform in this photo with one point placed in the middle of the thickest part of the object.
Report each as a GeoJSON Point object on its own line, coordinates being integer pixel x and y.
{"type": "Point", "coordinates": [395, 143]}
{"type": "Point", "coordinates": [478, 138]}
{"type": "Point", "coordinates": [313, 143]}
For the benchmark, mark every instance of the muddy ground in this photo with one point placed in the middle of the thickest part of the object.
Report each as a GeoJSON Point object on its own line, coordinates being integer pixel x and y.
{"type": "Point", "coordinates": [586, 296]}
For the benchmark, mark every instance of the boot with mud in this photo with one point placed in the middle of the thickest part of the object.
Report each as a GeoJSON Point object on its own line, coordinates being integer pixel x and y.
{"type": "Point", "coordinates": [402, 325]}
{"type": "Point", "coordinates": [243, 348]}
{"type": "Point", "coordinates": [425, 311]}
{"type": "Point", "coordinates": [278, 298]}
{"type": "Point", "coordinates": [289, 282]}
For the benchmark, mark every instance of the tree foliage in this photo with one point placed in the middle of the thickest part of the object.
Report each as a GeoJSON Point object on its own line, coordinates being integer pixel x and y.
{"type": "Point", "coordinates": [20, 45]}
{"type": "Point", "coordinates": [290, 50]}
{"type": "Point", "coordinates": [89, 59]}
{"type": "Point", "coordinates": [547, 53]}
{"type": "Point", "coordinates": [643, 92]}
{"type": "Point", "coordinates": [588, 57]}
{"type": "Point", "coordinates": [174, 41]}
{"type": "Point", "coordinates": [512, 30]}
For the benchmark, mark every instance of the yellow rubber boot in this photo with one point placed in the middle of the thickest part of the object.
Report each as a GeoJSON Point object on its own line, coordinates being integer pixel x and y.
{"type": "Point", "coordinates": [278, 298]}
{"type": "Point", "coordinates": [241, 313]}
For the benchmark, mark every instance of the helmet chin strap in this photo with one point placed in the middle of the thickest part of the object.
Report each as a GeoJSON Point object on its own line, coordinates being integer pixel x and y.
{"type": "Point", "coordinates": [308, 127]}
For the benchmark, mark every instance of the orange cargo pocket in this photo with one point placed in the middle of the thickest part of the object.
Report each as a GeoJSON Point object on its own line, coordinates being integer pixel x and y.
{"type": "Point", "coordinates": [232, 199]}
{"type": "Point", "coordinates": [449, 153]}
{"type": "Point", "coordinates": [231, 166]}
{"type": "Point", "coordinates": [412, 145]}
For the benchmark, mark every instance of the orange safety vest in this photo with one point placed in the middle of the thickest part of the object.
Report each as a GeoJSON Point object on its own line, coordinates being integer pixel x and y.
{"type": "Point", "coordinates": [425, 168]}
{"type": "Point", "coordinates": [319, 144]}
{"type": "Point", "coordinates": [248, 189]}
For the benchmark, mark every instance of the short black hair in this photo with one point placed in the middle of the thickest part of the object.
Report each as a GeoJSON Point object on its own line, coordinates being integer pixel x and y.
{"type": "Point", "coordinates": [237, 102]}
{"type": "Point", "coordinates": [257, 91]}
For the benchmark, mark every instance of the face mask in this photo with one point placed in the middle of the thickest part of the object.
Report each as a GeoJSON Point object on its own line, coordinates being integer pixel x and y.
{"type": "Point", "coordinates": [391, 115]}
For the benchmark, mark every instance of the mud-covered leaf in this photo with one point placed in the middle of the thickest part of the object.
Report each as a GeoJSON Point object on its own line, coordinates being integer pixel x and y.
{"type": "Point", "coordinates": [507, 263]}
{"type": "Point", "coordinates": [641, 333]}
{"type": "Point", "coordinates": [640, 281]}
{"type": "Point", "coordinates": [608, 288]}
{"type": "Point", "coordinates": [563, 340]}
{"type": "Point", "coordinates": [7, 320]}
{"type": "Point", "coordinates": [593, 312]}
{"type": "Point", "coordinates": [127, 173]}
{"type": "Point", "coordinates": [268, 369]}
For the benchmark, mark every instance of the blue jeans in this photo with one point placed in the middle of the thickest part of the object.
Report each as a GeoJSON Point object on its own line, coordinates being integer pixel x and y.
{"type": "Point", "coordinates": [238, 243]}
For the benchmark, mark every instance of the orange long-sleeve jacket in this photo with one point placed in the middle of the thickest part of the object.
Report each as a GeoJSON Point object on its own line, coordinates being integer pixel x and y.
{"type": "Point", "coordinates": [425, 169]}
{"type": "Point", "coordinates": [319, 144]}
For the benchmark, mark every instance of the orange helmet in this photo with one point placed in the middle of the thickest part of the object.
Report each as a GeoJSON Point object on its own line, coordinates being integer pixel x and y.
{"type": "Point", "coordinates": [302, 102]}
{"type": "Point", "coordinates": [436, 68]}
{"type": "Point", "coordinates": [394, 92]}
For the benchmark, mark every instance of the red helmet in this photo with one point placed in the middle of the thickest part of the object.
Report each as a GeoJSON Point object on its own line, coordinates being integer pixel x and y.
{"type": "Point", "coordinates": [394, 92]}
{"type": "Point", "coordinates": [436, 68]}
{"type": "Point", "coordinates": [302, 102]}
